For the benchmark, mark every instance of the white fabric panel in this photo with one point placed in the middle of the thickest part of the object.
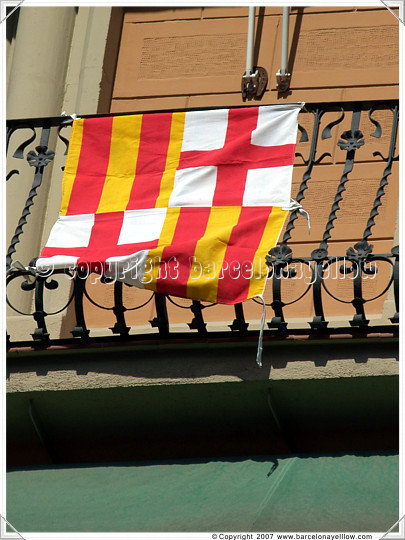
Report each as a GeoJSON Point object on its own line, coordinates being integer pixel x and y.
{"type": "Point", "coordinates": [128, 268]}
{"type": "Point", "coordinates": [276, 125]}
{"type": "Point", "coordinates": [194, 186]}
{"type": "Point", "coordinates": [268, 187]}
{"type": "Point", "coordinates": [205, 130]}
{"type": "Point", "coordinates": [142, 225]}
{"type": "Point", "coordinates": [71, 231]}
{"type": "Point", "coordinates": [56, 262]}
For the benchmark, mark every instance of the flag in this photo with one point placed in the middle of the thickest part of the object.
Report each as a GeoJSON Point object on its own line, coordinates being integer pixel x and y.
{"type": "Point", "coordinates": [182, 203]}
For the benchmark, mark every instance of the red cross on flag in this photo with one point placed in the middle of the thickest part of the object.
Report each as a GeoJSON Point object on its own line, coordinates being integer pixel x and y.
{"type": "Point", "coordinates": [183, 203]}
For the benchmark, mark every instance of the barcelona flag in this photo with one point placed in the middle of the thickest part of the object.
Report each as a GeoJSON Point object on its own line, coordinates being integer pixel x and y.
{"type": "Point", "coordinates": [182, 203]}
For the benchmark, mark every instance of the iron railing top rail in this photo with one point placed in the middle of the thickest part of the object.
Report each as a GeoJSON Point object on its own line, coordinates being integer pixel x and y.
{"type": "Point", "coordinates": [53, 121]}
{"type": "Point", "coordinates": [182, 339]}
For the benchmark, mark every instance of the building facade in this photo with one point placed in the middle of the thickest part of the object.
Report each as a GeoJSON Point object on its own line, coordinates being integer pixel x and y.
{"type": "Point", "coordinates": [112, 390]}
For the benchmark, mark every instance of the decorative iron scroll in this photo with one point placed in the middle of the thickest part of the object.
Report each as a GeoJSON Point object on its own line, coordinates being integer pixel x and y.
{"type": "Point", "coordinates": [359, 261]}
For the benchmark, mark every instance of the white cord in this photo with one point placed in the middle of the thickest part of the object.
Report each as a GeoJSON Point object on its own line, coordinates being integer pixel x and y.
{"type": "Point", "coordinates": [262, 322]}
{"type": "Point", "coordinates": [294, 205]}
{"type": "Point", "coordinates": [72, 116]}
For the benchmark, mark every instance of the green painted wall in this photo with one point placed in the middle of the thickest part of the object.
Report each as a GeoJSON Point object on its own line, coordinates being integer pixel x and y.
{"type": "Point", "coordinates": [266, 493]}
{"type": "Point", "coordinates": [203, 420]}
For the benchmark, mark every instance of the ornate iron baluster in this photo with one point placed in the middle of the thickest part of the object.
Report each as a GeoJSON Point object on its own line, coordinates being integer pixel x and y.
{"type": "Point", "coordinates": [239, 324]}
{"type": "Point", "coordinates": [19, 153]}
{"type": "Point", "coordinates": [80, 330]}
{"type": "Point", "coordinates": [319, 257]}
{"type": "Point", "coordinates": [362, 250]}
{"type": "Point", "coordinates": [279, 257]}
{"type": "Point", "coordinates": [38, 160]}
{"type": "Point", "coordinates": [277, 304]}
{"type": "Point", "coordinates": [40, 334]}
{"type": "Point", "coordinates": [198, 321]}
{"type": "Point", "coordinates": [350, 141]}
{"type": "Point", "coordinates": [387, 171]}
{"type": "Point", "coordinates": [120, 326]}
{"type": "Point", "coordinates": [41, 283]}
{"type": "Point", "coordinates": [26, 285]}
{"type": "Point", "coordinates": [310, 162]}
{"type": "Point", "coordinates": [161, 320]}
{"type": "Point", "coordinates": [358, 256]}
{"type": "Point", "coordinates": [64, 140]}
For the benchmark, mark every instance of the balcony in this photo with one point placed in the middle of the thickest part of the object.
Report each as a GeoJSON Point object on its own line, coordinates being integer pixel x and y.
{"type": "Point", "coordinates": [340, 280]}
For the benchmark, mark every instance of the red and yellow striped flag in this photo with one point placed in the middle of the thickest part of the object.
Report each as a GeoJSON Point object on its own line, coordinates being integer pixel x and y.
{"type": "Point", "coordinates": [183, 203]}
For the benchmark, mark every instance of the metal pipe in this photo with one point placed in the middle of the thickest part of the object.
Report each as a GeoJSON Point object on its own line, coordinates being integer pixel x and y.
{"type": "Point", "coordinates": [250, 38]}
{"type": "Point", "coordinates": [284, 42]}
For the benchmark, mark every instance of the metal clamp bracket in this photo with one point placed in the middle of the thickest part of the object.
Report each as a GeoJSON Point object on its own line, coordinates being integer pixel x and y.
{"type": "Point", "coordinates": [283, 81]}
{"type": "Point", "coordinates": [254, 85]}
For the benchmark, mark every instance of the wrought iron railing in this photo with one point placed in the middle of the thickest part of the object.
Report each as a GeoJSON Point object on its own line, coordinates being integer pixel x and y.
{"type": "Point", "coordinates": [358, 261]}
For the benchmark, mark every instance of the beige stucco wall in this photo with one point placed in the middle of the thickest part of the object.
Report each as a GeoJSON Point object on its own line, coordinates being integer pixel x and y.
{"type": "Point", "coordinates": [71, 76]}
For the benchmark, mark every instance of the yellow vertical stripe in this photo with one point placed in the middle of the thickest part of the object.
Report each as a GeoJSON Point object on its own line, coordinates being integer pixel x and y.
{"type": "Point", "coordinates": [172, 160]}
{"type": "Point", "coordinates": [210, 252]}
{"type": "Point", "coordinates": [152, 267]}
{"type": "Point", "coordinates": [72, 161]}
{"type": "Point", "coordinates": [125, 137]}
{"type": "Point", "coordinates": [269, 239]}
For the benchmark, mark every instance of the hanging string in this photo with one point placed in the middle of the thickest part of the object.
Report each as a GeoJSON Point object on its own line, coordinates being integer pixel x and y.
{"type": "Point", "coordinates": [294, 205]}
{"type": "Point", "coordinates": [262, 321]}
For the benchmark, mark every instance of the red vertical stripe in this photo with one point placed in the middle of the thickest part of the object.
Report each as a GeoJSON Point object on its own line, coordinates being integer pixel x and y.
{"type": "Point", "coordinates": [233, 285]}
{"type": "Point", "coordinates": [177, 258]}
{"type": "Point", "coordinates": [92, 167]}
{"type": "Point", "coordinates": [153, 146]}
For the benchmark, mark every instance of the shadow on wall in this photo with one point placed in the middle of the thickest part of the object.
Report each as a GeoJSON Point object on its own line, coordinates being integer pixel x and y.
{"type": "Point", "coordinates": [201, 420]}
{"type": "Point", "coordinates": [198, 360]}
